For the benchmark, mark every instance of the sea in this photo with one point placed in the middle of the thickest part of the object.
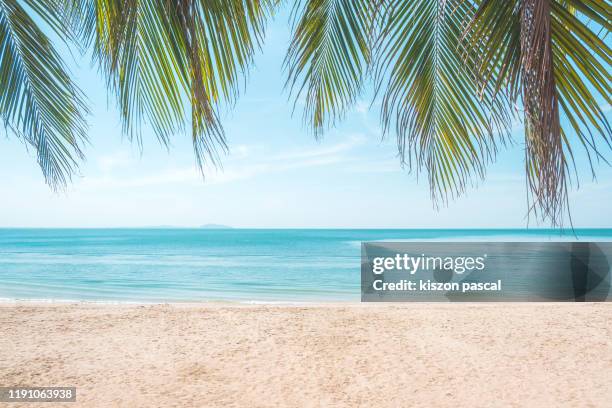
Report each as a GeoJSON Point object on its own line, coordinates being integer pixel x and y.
{"type": "Point", "coordinates": [150, 265]}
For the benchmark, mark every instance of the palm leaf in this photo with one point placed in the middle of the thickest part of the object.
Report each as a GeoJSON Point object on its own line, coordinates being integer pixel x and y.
{"type": "Point", "coordinates": [444, 122]}
{"type": "Point", "coordinates": [166, 58]}
{"type": "Point", "coordinates": [38, 100]}
{"type": "Point", "coordinates": [328, 56]}
{"type": "Point", "coordinates": [550, 57]}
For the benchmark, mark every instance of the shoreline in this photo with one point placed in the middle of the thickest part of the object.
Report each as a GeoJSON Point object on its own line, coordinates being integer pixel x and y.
{"type": "Point", "coordinates": [4, 302]}
{"type": "Point", "coordinates": [254, 303]}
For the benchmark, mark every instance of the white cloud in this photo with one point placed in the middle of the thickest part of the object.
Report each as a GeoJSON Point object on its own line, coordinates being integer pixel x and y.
{"type": "Point", "coordinates": [240, 151]}
{"type": "Point", "coordinates": [236, 169]}
{"type": "Point", "coordinates": [110, 162]}
{"type": "Point", "coordinates": [322, 150]}
{"type": "Point", "coordinates": [376, 166]}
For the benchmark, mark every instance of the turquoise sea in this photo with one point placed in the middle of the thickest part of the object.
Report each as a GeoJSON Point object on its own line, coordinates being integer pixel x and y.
{"type": "Point", "coordinates": [176, 265]}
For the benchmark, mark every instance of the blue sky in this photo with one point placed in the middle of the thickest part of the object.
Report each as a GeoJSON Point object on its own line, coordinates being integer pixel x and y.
{"type": "Point", "coordinates": [276, 174]}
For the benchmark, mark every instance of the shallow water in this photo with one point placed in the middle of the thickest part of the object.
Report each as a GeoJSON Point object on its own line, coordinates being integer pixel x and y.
{"type": "Point", "coordinates": [246, 265]}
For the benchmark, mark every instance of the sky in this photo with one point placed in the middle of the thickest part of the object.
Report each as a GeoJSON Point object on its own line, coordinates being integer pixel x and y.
{"type": "Point", "coordinates": [276, 174]}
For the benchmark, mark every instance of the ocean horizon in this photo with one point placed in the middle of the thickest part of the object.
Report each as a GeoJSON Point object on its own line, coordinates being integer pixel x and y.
{"type": "Point", "coordinates": [169, 264]}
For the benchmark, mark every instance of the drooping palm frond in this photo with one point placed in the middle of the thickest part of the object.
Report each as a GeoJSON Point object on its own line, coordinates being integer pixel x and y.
{"type": "Point", "coordinates": [38, 101]}
{"type": "Point", "coordinates": [430, 98]}
{"type": "Point", "coordinates": [329, 54]}
{"type": "Point", "coordinates": [443, 122]}
{"type": "Point", "coordinates": [550, 57]}
{"type": "Point", "coordinates": [545, 161]}
{"type": "Point", "coordinates": [164, 58]}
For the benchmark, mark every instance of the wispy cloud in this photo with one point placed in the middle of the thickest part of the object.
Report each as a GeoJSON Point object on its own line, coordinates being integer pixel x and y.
{"type": "Point", "coordinates": [112, 161]}
{"type": "Point", "coordinates": [235, 169]}
{"type": "Point", "coordinates": [240, 151]}
{"type": "Point", "coordinates": [391, 165]}
{"type": "Point", "coordinates": [322, 150]}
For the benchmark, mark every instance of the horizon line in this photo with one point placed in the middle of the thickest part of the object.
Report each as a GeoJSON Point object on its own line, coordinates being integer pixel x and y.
{"type": "Point", "coordinates": [560, 229]}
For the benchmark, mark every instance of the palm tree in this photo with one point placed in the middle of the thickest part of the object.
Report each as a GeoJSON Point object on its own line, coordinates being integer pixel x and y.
{"type": "Point", "coordinates": [452, 77]}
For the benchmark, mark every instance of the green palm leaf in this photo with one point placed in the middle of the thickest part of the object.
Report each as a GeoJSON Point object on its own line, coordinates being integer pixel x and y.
{"type": "Point", "coordinates": [328, 56]}
{"type": "Point", "coordinates": [430, 98]}
{"type": "Point", "coordinates": [166, 58]}
{"type": "Point", "coordinates": [444, 122]}
{"type": "Point", "coordinates": [38, 101]}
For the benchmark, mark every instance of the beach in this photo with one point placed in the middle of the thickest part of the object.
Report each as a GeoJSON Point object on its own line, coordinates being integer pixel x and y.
{"type": "Point", "coordinates": [343, 354]}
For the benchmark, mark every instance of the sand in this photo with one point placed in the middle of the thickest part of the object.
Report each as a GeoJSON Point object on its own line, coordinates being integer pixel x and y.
{"type": "Point", "coordinates": [477, 355]}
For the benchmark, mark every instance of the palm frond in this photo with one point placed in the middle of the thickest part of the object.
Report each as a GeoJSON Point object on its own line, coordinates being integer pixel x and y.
{"type": "Point", "coordinates": [444, 122]}
{"type": "Point", "coordinates": [38, 100]}
{"type": "Point", "coordinates": [548, 56]}
{"type": "Point", "coordinates": [165, 58]}
{"type": "Point", "coordinates": [329, 54]}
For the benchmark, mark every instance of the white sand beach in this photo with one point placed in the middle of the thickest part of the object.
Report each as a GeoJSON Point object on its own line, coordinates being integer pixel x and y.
{"type": "Point", "coordinates": [344, 355]}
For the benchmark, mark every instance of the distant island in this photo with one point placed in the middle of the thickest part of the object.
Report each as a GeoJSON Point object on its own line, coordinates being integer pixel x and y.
{"type": "Point", "coordinates": [215, 226]}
